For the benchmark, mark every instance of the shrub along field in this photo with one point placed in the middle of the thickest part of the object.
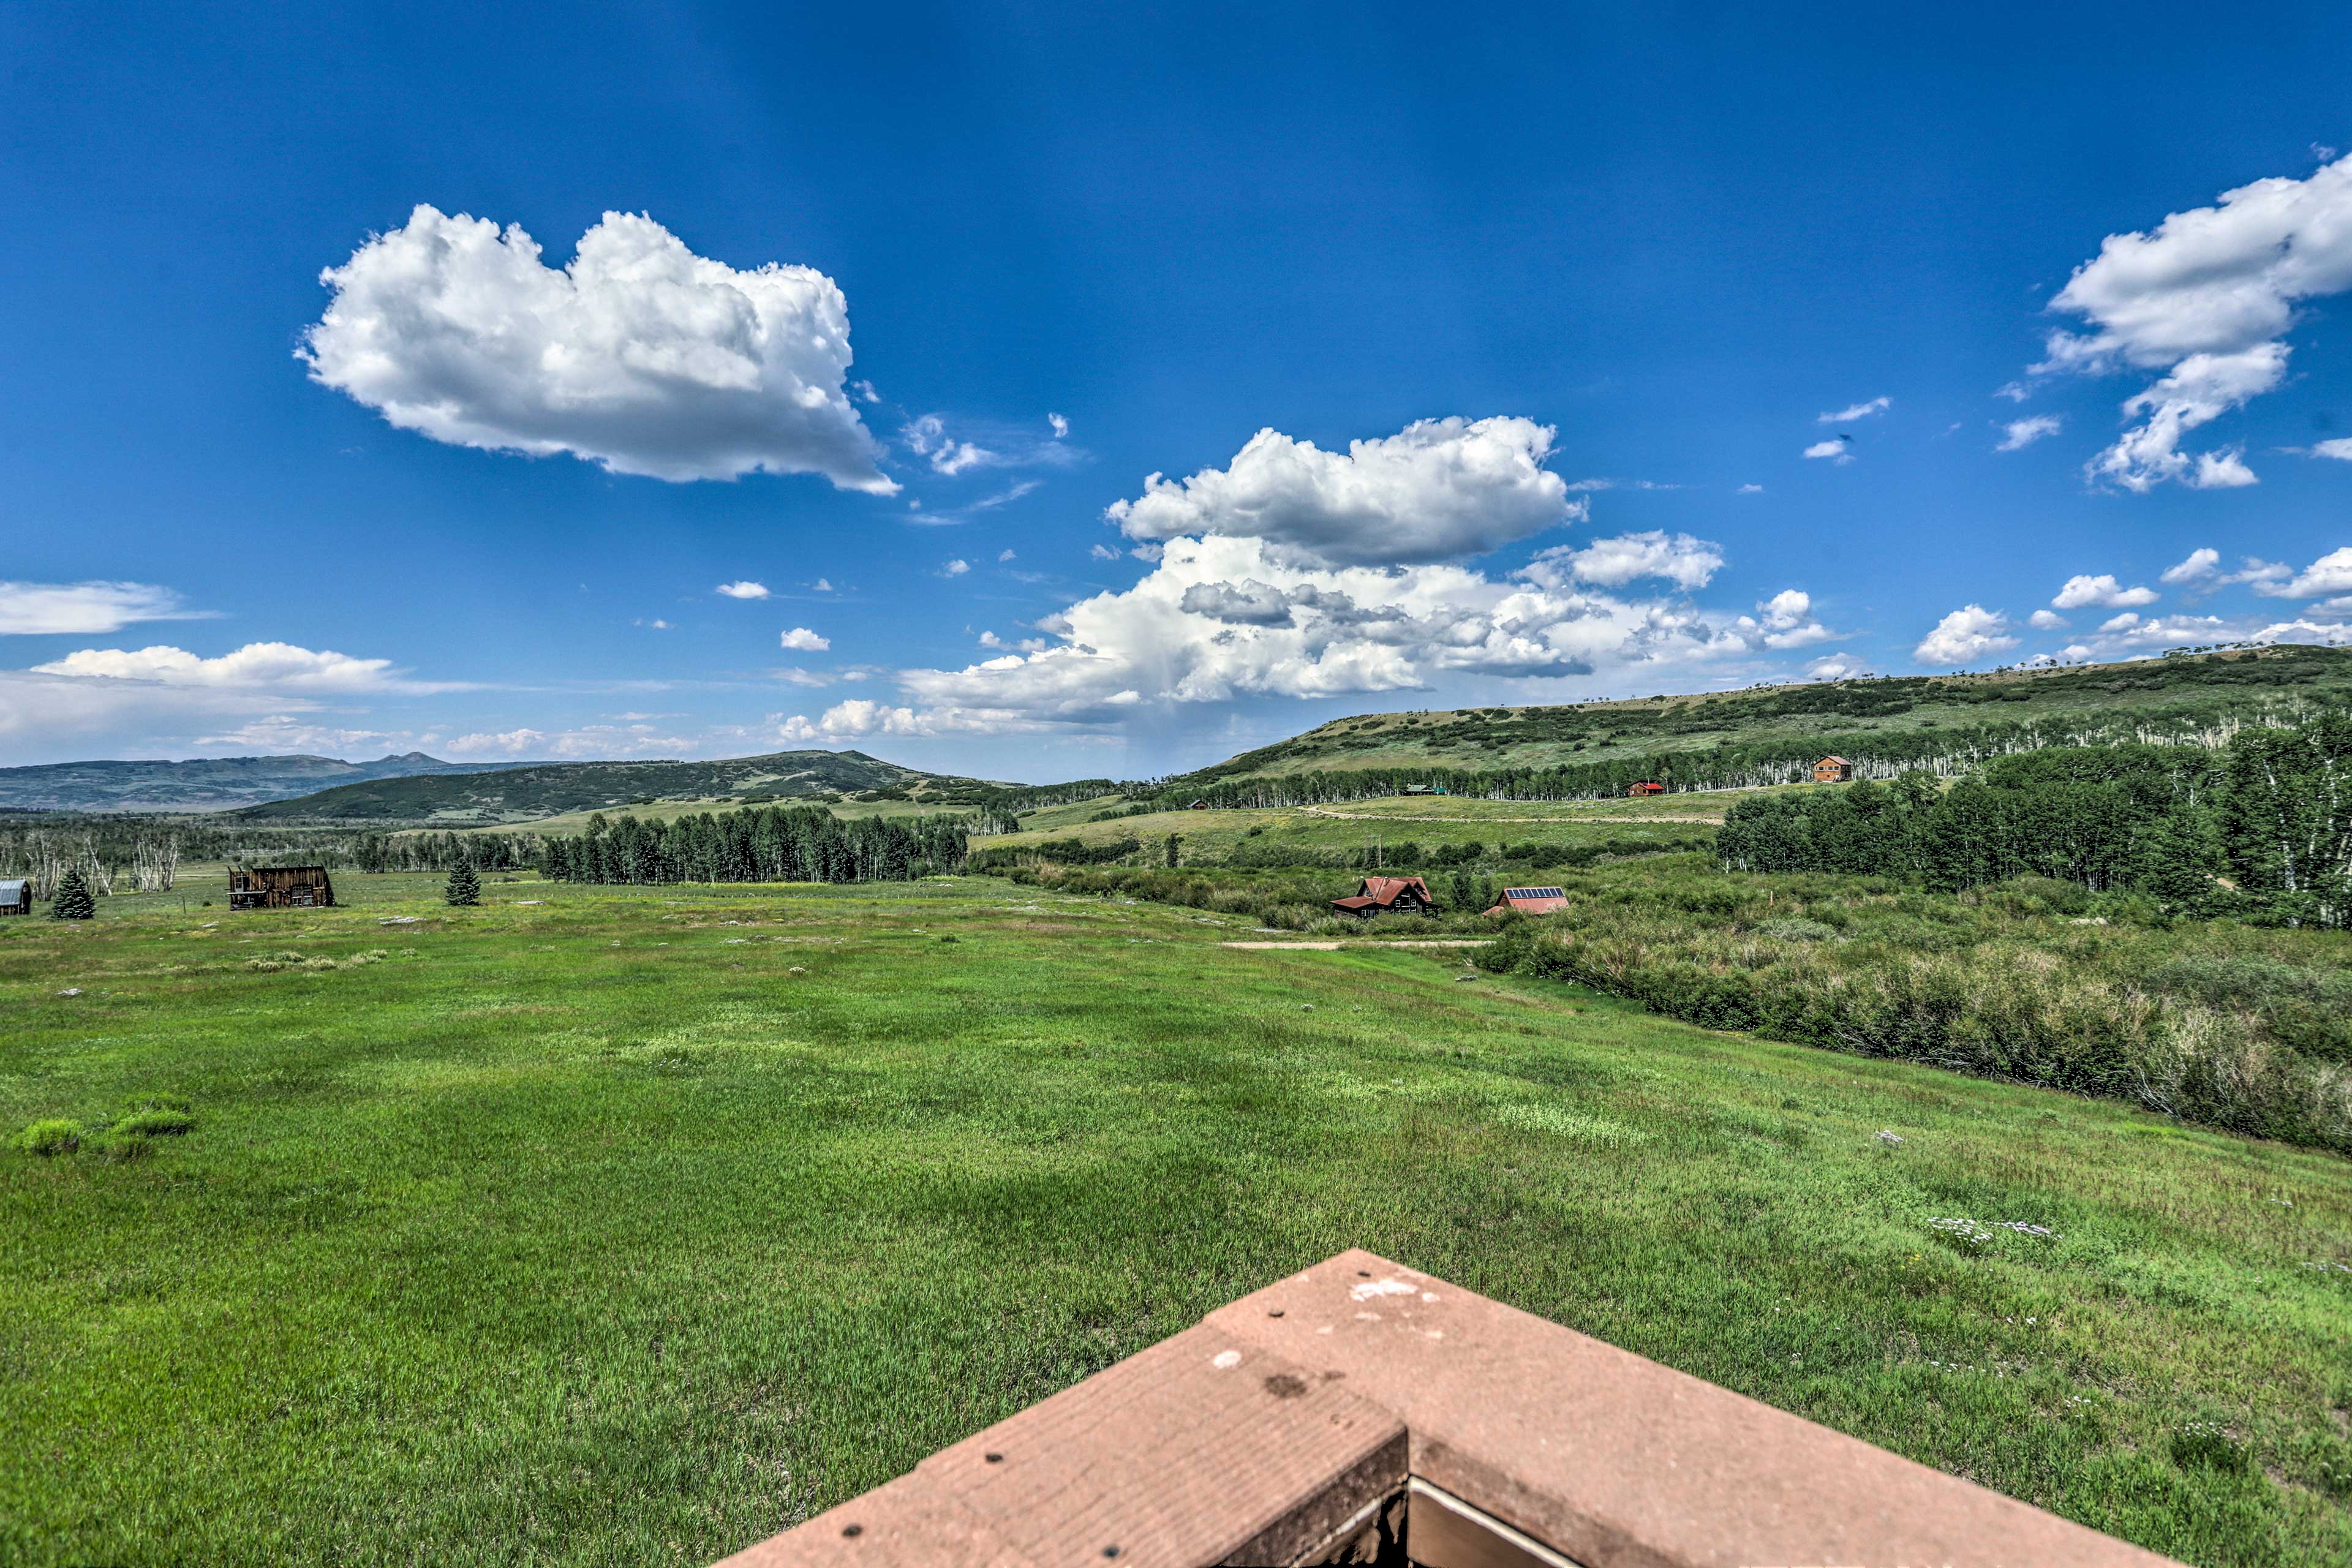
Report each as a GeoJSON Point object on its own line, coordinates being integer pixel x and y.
{"type": "Point", "coordinates": [610, 1224]}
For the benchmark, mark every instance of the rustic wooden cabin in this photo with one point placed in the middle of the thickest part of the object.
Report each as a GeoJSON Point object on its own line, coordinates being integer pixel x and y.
{"type": "Point", "coordinates": [1386, 895]}
{"type": "Point", "coordinates": [1647, 787]}
{"type": "Point", "coordinates": [280, 887]}
{"type": "Point", "coordinates": [16, 897]}
{"type": "Point", "coordinates": [1833, 770]}
{"type": "Point", "coordinates": [1531, 901]}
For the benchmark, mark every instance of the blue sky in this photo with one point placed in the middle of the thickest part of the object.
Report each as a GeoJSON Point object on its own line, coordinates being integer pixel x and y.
{"type": "Point", "coordinates": [1586, 285]}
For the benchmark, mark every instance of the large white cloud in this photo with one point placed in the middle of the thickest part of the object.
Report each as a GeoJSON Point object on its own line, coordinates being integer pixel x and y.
{"type": "Point", "coordinates": [2331, 574]}
{"type": "Point", "coordinates": [84, 609]}
{"type": "Point", "coordinates": [1678, 558]}
{"type": "Point", "coordinates": [638, 356]}
{"type": "Point", "coordinates": [1964, 637]}
{"type": "Point", "coordinates": [1222, 618]}
{"type": "Point", "coordinates": [271, 665]}
{"type": "Point", "coordinates": [1437, 489]}
{"type": "Point", "coordinates": [2208, 297]}
{"type": "Point", "coordinates": [2102, 592]}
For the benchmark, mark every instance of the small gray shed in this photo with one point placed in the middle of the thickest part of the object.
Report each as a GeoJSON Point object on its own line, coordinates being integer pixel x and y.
{"type": "Point", "coordinates": [16, 897]}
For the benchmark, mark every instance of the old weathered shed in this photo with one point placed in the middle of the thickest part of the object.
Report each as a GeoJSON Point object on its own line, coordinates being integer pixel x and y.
{"type": "Point", "coordinates": [280, 888]}
{"type": "Point", "coordinates": [16, 897]}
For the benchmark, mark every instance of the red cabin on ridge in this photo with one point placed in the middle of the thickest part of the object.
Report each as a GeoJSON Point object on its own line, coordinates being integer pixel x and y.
{"type": "Point", "coordinates": [1647, 788]}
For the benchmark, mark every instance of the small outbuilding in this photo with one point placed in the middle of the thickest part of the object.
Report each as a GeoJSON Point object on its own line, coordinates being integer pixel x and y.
{"type": "Point", "coordinates": [1531, 901]}
{"type": "Point", "coordinates": [1386, 895]}
{"type": "Point", "coordinates": [1425, 789]}
{"type": "Point", "coordinates": [1834, 770]}
{"type": "Point", "coordinates": [16, 896]}
{"type": "Point", "coordinates": [1197, 806]}
{"type": "Point", "coordinates": [280, 888]}
{"type": "Point", "coordinates": [1648, 786]}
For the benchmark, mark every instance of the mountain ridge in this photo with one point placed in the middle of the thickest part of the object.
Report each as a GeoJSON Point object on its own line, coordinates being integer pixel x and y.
{"type": "Point", "coordinates": [511, 793]}
{"type": "Point", "coordinates": [201, 784]}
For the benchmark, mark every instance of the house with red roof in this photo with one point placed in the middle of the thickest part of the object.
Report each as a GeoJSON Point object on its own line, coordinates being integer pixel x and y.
{"type": "Point", "coordinates": [1387, 895]}
{"type": "Point", "coordinates": [1531, 901]}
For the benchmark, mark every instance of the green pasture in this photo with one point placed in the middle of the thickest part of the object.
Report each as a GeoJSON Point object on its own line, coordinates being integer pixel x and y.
{"type": "Point", "coordinates": [631, 1225]}
{"type": "Point", "coordinates": [1209, 836]}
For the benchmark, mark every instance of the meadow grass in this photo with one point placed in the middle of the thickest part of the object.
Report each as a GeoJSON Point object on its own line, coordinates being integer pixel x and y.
{"type": "Point", "coordinates": [1212, 836]}
{"type": "Point", "coordinates": [635, 1224]}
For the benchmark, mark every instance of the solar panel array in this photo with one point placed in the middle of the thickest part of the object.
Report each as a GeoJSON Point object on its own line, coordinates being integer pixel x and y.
{"type": "Point", "coordinates": [1534, 893]}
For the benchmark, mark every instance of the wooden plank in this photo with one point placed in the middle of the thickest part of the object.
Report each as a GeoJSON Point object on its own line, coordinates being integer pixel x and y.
{"type": "Point", "coordinates": [906, 1523]}
{"type": "Point", "coordinates": [1613, 1459]}
{"type": "Point", "coordinates": [1202, 1450]}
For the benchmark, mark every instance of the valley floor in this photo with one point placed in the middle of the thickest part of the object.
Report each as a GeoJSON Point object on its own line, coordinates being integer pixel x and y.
{"type": "Point", "coordinates": [633, 1224]}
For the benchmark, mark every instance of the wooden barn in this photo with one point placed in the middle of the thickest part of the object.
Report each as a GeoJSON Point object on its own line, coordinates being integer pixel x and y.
{"type": "Point", "coordinates": [1531, 901]}
{"type": "Point", "coordinates": [1386, 895]}
{"type": "Point", "coordinates": [16, 897]}
{"type": "Point", "coordinates": [280, 887]}
{"type": "Point", "coordinates": [1833, 770]}
{"type": "Point", "coordinates": [1647, 787]}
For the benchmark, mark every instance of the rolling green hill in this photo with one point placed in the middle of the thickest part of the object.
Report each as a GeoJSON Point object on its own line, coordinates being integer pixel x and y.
{"type": "Point", "coordinates": [1908, 719]}
{"type": "Point", "coordinates": [549, 789]}
{"type": "Point", "coordinates": [200, 783]}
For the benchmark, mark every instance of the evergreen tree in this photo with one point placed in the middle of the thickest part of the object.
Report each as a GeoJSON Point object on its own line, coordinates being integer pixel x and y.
{"type": "Point", "coordinates": [1174, 839]}
{"type": "Point", "coordinates": [72, 900]}
{"type": "Point", "coordinates": [465, 887]}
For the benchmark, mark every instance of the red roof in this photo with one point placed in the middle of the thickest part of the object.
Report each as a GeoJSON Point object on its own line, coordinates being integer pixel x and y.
{"type": "Point", "coordinates": [1531, 902]}
{"type": "Point", "coordinates": [1381, 893]}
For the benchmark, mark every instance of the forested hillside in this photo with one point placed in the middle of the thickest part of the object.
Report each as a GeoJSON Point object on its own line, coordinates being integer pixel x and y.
{"type": "Point", "coordinates": [1944, 725]}
{"type": "Point", "coordinates": [201, 784]}
{"type": "Point", "coordinates": [546, 789]}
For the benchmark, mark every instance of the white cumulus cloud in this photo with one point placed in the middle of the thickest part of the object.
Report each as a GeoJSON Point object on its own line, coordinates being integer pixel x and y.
{"type": "Point", "coordinates": [2020, 432]}
{"type": "Point", "coordinates": [2046, 621]}
{"type": "Point", "coordinates": [744, 590]}
{"type": "Point", "coordinates": [1858, 411]}
{"type": "Point", "coordinates": [2208, 297]}
{"type": "Point", "coordinates": [2102, 592]}
{"type": "Point", "coordinates": [2199, 564]}
{"type": "Point", "coordinates": [2339, 448]}
{"type": "Point", "coordinates": [84, 609]}
{"type": "Point", "coordinates": [637, 355]}
{"type": "Point", "coordinates": [1965, 636]}
{"type": "Point", "coordinates": [2331, 574]}
{"type": "Point", "coordinates": [277, 666]}
{"type": "Point", "coordinates": [1833, 449]}
{"type": "Point", "coordinates": [803, 640]}
{"type": "Point", "coordinates": [1685, 562]}
{"type": "Point", "coordinates": [955, 568]}
{"type": "Point", "coordinates": [1222, 618]}
{"type": "Point", "coordinates": [1438, 489]}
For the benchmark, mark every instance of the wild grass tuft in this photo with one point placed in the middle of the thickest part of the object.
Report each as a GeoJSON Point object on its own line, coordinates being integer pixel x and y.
{"type": "Point", "coordinates": [52, 1135]}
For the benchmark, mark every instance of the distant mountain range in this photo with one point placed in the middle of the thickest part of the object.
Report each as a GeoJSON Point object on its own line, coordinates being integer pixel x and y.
{"type": "Point", "coordinates": [202, 784]}
{"type": "Point", "coordinates": [528, 792]}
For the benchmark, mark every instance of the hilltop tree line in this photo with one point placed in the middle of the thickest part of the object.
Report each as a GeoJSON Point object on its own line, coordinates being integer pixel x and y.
{"type": "Point", "coordinates": [2262, 826]}
{"type": "Point", "coordinates": [1943, 752]}
{"type": "Point", "coordinates": [775, 844]}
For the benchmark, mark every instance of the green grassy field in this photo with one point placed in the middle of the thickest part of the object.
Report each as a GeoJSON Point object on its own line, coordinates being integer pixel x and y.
{"type": "Point", "coordinates": [633, 1224]}
{"type": "Point", "coordinates": [1212, 836]}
